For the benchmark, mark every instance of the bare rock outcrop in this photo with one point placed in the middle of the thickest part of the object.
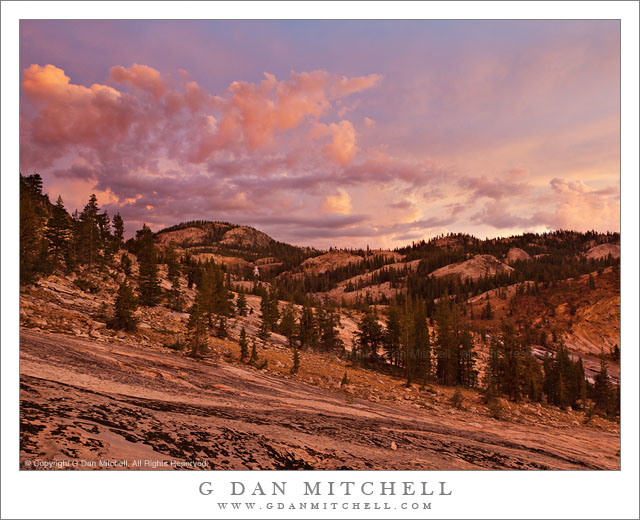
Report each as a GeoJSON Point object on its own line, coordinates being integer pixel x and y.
{"type": "Point", "coordinates": [186, 236]}
{"type": "Point", "coordinates": [329, 261]}
{"type": "Point", "coordinates": [246, 237]}
{"type": "Point", "coordinates": [604, 250]}
{"type": "Point", "coordinates": [515, 254]}
{"type": "Point", "coordinates": [474, 268]}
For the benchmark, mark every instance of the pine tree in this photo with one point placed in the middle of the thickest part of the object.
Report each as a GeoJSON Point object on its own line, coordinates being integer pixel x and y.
{"type": "Point", "coordinates": [602, 387]}
{"type": "Point", "coordinates": [287, 325]}
{"type": "Point", "coordinates": [369, 335]}
{"type": "Point", "coordinates": [30, 235]}
{"type": "Point", "coordinates": [241, 304]}
{"type": "Point", "coordinates": [89, 235]}
{"type": "Point", "coordinates": [488, 313]}
{"type": "Point", "coordinates": [263, 331]}
{"type": "Point", "coordinates": [190, 268]}
{"type": "Point", "coordinates": [392, 334]}
{"type": "Point", "coordinates": [173, 265]}
{"type": "Point", "coordinates": [511, 368]}
{"type": "Point", "coordinates": [197, 325]}
{"type": "Point", "coordinates": [467, 373]}
{"type": "Point", "coordinates": [59, 233]}
{"type": "Point", "coordinates": [269, 310]}
{"type": "Point", "coordinates": [296, 361]}
{"type": "Point", "coordinates": [125, 306]}
{"type": "Point", "coordinates": [33, 184]}
{"type": "Point", "coordinates": [173, 274]}
{"type": "Point", "coordinates": [105, 237]}
{"type": "Point", "coordinates": [148, 282]}
{"type": "Point", "coordinates": [126, 264]}
{"type": "Point", "coordinates": [307, 330]}
{"type": "Point", "coordinates": [447, 342]}
{"type": "Point", "coordinates": [420, 343]}
{"type": "Point", "coordinates": [175, 296]}
{"type": "Point", "coordinates": [216, 297]}
{"type": "Point", "coordinates": [253, 359]}
{"type": "Point", "coordinates": [328, 332]}
{"type": "Point", "coordinates": [118, 231]}
{"type": "Point", "coordinates": [222, 327]}
{"type": "Point", "coordinates": [244, 344]}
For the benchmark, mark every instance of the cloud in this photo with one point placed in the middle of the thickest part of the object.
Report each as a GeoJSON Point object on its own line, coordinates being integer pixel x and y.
{"type": "Point", "coordinates": [369, 123]}
{"type": "Point", "coordinates": [338, 203]}
{"type": "Point", "coordinates": [184, 121]}
{"type": "Point", "coordinates": [342, 147]}
{"type": "Point", "coordinates": [71, 115]}
{"type": "Point", "coordinates": [580, 207]}
{"type": "Point", "coordinates": [565, 205]}
{"type": "Point", "coordinates": [401, 204]}
{"type": "Point", "coordinates": [141, 77]}
{"type": "Point", "coordinates": [384, 168]}
{"type": "Point", "coordinates": [494, 188]}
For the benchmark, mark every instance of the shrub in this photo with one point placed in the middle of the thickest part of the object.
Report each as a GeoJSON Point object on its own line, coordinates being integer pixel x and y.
{"type": "Point", "coordinates": [495, 408]}
{"type": "Point", "coordinates": [87, 285]}
{"type": "Point", "coordinates": [456, 399]}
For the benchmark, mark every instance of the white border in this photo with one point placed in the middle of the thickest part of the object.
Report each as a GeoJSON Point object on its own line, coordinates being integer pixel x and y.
{"type": "Point", "coordinates": [174, 495]}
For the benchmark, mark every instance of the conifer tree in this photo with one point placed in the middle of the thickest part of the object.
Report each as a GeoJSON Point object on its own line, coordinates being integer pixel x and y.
{"type": "Point", "coordinates": [511, 372]}
{"type": "Point", "coordinates": [89, 236]}
{"type": "Point", "coordinates": [197, 325]}
{"type": "Point", "coordinates": [287, 325]}
{"type": "Point", "coordinates": [602, 387]}
{"type": "Point", "coordinates": [241, 303]}
{"type": "Point", "coordinates": [173, 274]}
{"type": "Point", "coordinates": [263, 331]}
{"type": "Point", "coordinates": [118, 232]}
{"type": "Point", "coordinates": [126, 264]}
{"type": "Point", "coordinates": [222, 327]}
{"type": "Point", "coordinates": [253, 359]}
{"type": "Point", "coordinates": [447, 342]}
{"type": "Point", "coordinates": [175, 295]}
{"type": "Point", "coordinates": [106, 243]}
{"type": "Point", "coordinates": [125, 306]}
{"type": "Point", "coordinates": [244, 344]}
{"type": "Point", "coordinates": [307, 331]}
{"type": "Point", "coordinates": [190, 268]}
{"type": "Point", "coordinates": [328, 333]}
{"type": "Point", "coordinates": [392, 334]}
{"type": "Point", "coordinates": [59, 233]}
{"type": "Point", "coordinates": [30, 235]}
{"type": "Point", "coordinates": [467, 373]}
{"type": "Point", "coordinates": [148, 282]}
{"type": "Point", "coordinates": [369, 335]}
{"type": "Point", "coordinates": [269, 310]}
{"type": "Point", "coordinates": [173, 265]}
{"type": "Point", "coordinates": [296, 361]}
{"type": "Point", "coordinates": [420, 343]}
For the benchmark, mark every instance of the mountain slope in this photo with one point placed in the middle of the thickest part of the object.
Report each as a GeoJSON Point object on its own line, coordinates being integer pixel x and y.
{"type": "Point", "coordinates": [154, 405]}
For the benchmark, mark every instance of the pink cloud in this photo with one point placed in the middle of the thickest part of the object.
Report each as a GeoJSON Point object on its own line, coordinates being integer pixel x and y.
{"type": "Point", "coordinates": [72, 114]}
{"type": "Point", "coordinates": [141, 77]}
{"type": "Point", "coordinates": [342, 147]}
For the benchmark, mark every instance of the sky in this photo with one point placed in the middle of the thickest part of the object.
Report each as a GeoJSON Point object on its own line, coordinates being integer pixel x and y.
{"type": "Point", "coordinates": [329, 133]}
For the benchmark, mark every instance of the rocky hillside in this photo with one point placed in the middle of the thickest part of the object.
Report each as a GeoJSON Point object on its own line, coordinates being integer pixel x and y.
{"type": "Point", "coordinates": [328, 262]}
{"type": "Point", "coordinates": [101, 399]}
{"type": "Point", "coordinates": [474, 268]}
{"type": "Point", "coordinates": [603, 250]}
{"type": "Point", "coordinates": [117, 394]}
{"type": "Point", "coordinates": [516, 254]}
